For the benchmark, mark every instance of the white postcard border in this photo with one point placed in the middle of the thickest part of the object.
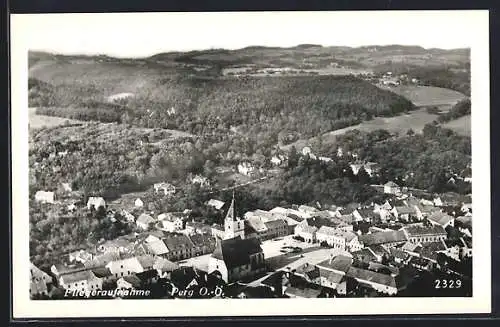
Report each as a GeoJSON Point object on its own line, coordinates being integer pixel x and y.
{"type": "Point", "coordinates": [23, 307]}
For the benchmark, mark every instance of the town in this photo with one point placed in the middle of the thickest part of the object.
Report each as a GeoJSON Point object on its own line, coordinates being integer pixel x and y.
{"type": "Point", "coordinates": [410, 244]}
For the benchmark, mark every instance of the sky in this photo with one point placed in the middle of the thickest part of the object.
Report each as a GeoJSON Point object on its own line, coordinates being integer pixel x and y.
{"type": "Point", "coordinates": [145, 34]}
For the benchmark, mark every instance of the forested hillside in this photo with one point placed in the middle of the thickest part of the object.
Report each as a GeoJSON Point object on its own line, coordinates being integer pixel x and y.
{"type": "Point", "coordinates": [301, 105]}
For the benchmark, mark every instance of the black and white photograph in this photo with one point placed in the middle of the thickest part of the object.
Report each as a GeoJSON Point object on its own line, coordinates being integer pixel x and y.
{"type": "Point", "coordinates": [263, 163]}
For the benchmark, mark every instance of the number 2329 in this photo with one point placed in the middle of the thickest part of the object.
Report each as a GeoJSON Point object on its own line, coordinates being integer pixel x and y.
{"type": "Point", "coordinates": [447, 283]}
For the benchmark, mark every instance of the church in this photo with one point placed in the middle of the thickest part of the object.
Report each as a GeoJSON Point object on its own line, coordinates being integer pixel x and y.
{"type": "Point", "coordinates": [236, 256]}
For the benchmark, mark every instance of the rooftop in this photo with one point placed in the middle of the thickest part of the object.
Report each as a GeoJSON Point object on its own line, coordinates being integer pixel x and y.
{"type": "Point", "coordinates": [339, 263]}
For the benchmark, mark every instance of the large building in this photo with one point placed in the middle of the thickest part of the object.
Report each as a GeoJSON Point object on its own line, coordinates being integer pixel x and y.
{"type": "Point", "coordinates": [237, 258]}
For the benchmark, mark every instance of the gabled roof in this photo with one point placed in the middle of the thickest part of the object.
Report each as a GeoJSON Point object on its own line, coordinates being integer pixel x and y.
{"type": "Point", "coordinates": [383, 238]}
{"type": "Point", "coordinates": [440, 218]}
{"type": "Point", "coordinates": [164, 265]}
{"type": "Point", "coordinates": [200, 240]}
{"type": "Point", "coordinates": [132, 280]}
{"type": "Point", "coordinates": [275, 224]}
{"type": "Point", "coordinates": [309, 229]}
{"type": "Point", "coordinates": [236, 252]}
{"type": "Point", "coordinates": [157, 247]}
{"type": "Point", "coordinates": [145, 219]}
{"type": "Point", "coordinates": [391, 184]}
{"type": "Point", "coordinates": [348, 236]}
{"type": "Point", "coordinates": [405, 210]}
{"type": "Point", "coordinates": [364, 275]}
{"type": "Point", "coordinates": [302, 292]}
{"type": "Point", "coordinates": [101, 272]}
{"type": "Point", "coordinates": [176, 242]}
{"type": "Point", "coordinates": [429, 250]}
{"type": "Point", "coordinates": [419, 230]}
{"type": "Point", "coordinates": [256, 223]}
{"type": "Point", "coordinates": [83, 275]}
{"type": "Point", "coordinates": [339, 263]}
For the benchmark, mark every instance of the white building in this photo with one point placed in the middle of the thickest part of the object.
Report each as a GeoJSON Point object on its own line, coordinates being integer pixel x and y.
{"type": "Point", "coordinates": [95, 203]}
{"type": "Point", "coordinates": [44, 197]}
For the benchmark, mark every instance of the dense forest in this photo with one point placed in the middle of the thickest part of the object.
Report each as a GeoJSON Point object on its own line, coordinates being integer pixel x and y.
{"type": "Point", "coordinates": [461, 109]}
{"type": "Point", "coordinates": [304, 105]}
{"type": "Point", "coordinates": [425, 161]}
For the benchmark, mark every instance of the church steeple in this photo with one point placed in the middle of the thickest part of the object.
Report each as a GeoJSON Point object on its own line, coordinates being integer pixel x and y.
{"type": "Point", "coordinates": [231, 215]}
{"type": "Point", "coordinates": [233, 226]}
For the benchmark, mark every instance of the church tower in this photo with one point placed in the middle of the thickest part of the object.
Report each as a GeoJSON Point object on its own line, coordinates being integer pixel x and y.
{"type": "Point", "coordinates": [233, 226]}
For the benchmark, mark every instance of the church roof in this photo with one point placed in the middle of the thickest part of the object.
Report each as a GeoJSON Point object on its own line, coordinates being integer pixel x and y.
{"type": "Point", "coordinates": [236, 252]}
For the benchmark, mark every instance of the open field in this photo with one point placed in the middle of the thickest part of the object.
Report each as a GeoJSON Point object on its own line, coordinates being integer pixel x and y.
{"type": "Point", "coordinates": [460, 126]}
{"type": "Point", "coordinates": [416, 120]}
{"type": "Point", "coordinates": [427, 95]}
{"type": "Point", "coordinates": [39, 121]}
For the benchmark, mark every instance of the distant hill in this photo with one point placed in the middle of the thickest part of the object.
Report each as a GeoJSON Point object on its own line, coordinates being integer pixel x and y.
{"type": "Point", "coordinates": [79, 87]}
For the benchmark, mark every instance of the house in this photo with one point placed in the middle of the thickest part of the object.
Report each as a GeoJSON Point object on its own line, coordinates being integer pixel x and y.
{"type": "Point", "coordinates": [438, 202]}
{"type": "Point", "coordinates": [203, 244]}
{"type": "Point", "coordinates": [339, 264]}
{"type": "Point", "coordinates": [466, 208]}
{"type": "Point", "coordinates": [130, 266]}
{"type": "Point", "coordinates": [83, 280]}
{"type": "Point", "coordinates": [217, 204]}
{"type": "Point", "coordinates": [44, 197]}
{"type": "Point", "coordinates": [200, 180]}
{"type": "Point", "coordinates": [118, 245]}
{"type": "Point", "coordinates": [246, 168]}
{"type": "Point", "coordinates": [339, 239]}
{"type": "Point", "coordinates": [155, 246]}
{"type": "Point", "coordinates": [388, 239]}
{"type": "Point", "coordinates": [421, 263]}
{"type": "Point", "coordinates": [412, 249]}
{"type": "Point", "coordinates": [39, 281]}
{"type": "Point", "coordinates": [165, 188]}
{"type": "Point", "coordinates": [307, 209]}
{"type": "Point", "coordinates": [278, 160]}
{"type": "Point", "coordinates": [308, 233]}
{"type": "Point", "coordinates": [172, 221]}
{"type": "Point", "coordinates": [147, 277]}
{"type": "Point", "coordinates": [392, 188]}
{"type": "Point", "coordinates": [104, 274]}
{"type": "Point", "coordinates": [145, 221]}
{"type": "Point", "coordinates": [128, 282]}
{"type": "Point", "coordinates": [441, 219]}
{"type": "Point", "coordinates": [385, 206]}
{"type": "Point", "coordinates": [404, 213]}
{"type": "Point", "coordinates": [237, 258]}
{"type": "Point", "coordinates": [422, 211]}
{"type": "Point", "coordinates": [195, 227]}
{"type": "Point", "coordinates": [417, 233]}
{"type": "Point", "coordinates": [371, 168]}
{"type": "Point", "coordinates": [325, 159]}
{"type": "Point", "coordinates": [164, 267]}
{"type": "Point", "coordinates": [128, 216]}
{"type": "Point", "coordinates": [276, 228]}
{"type": "Point", "coordinates": [80, 256]}
{"type": "Point", "coordinates": [365, 255]}
{"type": "Point", "coordinates": [301, 293]}
{"type": "Point", "coordinates": [382, 283]}
{"type": "Point", "coordinates": [398, 255]}
{"type": "Point", "coordinates": [364, 215]}
{"type": "Point", "coordinates": [430, 250]}
{"type": "Point", "coordinates": [60, 269]}
{"type": "Point", "coordinates": [138, 203]}
{"type": "Point", "coordinates": [218, 231]}
{"type": "Point", "coordinates": [67, 187]}
{"type": "Point", "coordinates": [95, 202]}
{"type": "Point", "coordinates": [466, 250]}
{"type": "Point", "coordinates": [179, 247]}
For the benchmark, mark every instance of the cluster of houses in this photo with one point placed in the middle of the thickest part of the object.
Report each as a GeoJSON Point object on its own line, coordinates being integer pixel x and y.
{"type": "Point", "coordinates": [390, 79]}
{"type": "Point", "coordinates": [374, 241]}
